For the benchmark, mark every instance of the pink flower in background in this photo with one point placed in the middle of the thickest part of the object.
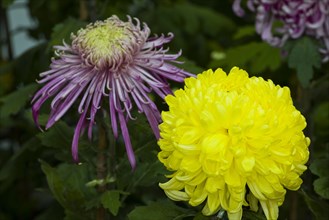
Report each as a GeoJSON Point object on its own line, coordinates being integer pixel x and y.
{"type": "Point", "coordinates": [296, 18]}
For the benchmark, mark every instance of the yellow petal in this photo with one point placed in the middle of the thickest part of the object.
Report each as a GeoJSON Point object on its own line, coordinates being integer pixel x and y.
{"type": "Point", "coordinates": [270, 208]}
{"type": "Point", "coordinates": [213, 184]}
{"type": "Point", "coordinates": [172, 184]}
{"type": "Point", "coordinates": [186, 176]}
{"type": "Point", "coordinates": [255, 190]}
{"type": "Point", "coordinates": [248, 164]}
{"type": "Point", "coordinates": [198, 196]}
{"type": "Point", "coordinates": [232, 178]}
{"type": "Point", "coordinates": [190, 164]}
{"type": "Point", "coordinates": [177, 195]}
{"type": "Point", "coordinates": [235, 215]}
{"type": "Point", "coordinates": [214, 144]}
{"type": "Point", "coordinates": [213, 202]}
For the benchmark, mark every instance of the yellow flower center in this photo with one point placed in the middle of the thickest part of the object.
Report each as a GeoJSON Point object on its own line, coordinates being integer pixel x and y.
{"type": "Point", "coordinates": [105, 41]}
{"type": "Point", "coordinates": [108, 44]}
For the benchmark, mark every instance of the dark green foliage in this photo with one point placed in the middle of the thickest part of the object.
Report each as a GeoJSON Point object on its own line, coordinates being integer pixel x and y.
{"type": "Point", "coordinates": [320, 168]}
{"type": "Point", "coordinates": [38, 179]}
{"type": "Point", "coordinates": [321, 114]}
{"type": "Point", "coordinates": [304, 56]}
{"type": "Point", "coordinates": [62, 32]}
{"type": "Point", "coordinates": [320, 165]}
{"type": "Point", "coordinates": [67, 183]}
{"type": "Point", "coordinates": [111, 201]}
{"type": "Point", "coordinates": [50, 13]}
{"type": "Point", "coordinates": [319, 208]}
{"type": "Point", "coordinates": [259, 56]}
{"type": "Point", "coordinates": [161, 210]}
{"type": "Point", "coordinates": [253, 215]}
{"type": "Point", "coordinates": [21, 97]}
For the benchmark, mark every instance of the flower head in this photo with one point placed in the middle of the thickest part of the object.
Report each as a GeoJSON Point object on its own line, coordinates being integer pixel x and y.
{"type": "Point", "coordinates": [298, 17]}
{"type": "Point", "coordinates": [230, 141]}
{"type": "Point", "coordinates": [113, 59]}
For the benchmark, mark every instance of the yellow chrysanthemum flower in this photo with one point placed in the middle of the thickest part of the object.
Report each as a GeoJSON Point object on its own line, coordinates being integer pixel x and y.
{"type": "Point", "coordinates": [226, 136]}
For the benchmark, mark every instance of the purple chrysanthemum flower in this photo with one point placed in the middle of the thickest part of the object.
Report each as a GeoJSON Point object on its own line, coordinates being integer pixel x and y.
{"type": "Point", "coordinates": [298, 17]}
{"type": "Point", "coordinates": [112, 59]}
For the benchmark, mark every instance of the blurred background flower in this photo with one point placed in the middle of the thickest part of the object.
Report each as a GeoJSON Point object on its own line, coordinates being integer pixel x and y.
{"type": "Point", "coordinates": [279, 20]}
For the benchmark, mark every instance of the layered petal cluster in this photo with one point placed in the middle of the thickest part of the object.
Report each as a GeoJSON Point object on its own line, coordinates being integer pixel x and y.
{"type": "Point", "coordinates": [297, 18]}
{"type": "Point", "coordinates": [232, 141]}
{"type": "Point", "coordinates": [113, 59]}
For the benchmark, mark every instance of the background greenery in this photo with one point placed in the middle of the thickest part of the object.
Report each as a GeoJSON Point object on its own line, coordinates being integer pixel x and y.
{"type": "Point", "coordinates": [37, 177]}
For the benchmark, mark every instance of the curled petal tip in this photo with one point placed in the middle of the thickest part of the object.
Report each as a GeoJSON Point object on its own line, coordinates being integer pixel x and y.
{"type": "Point", "coordinates": [35, 116]}
{"type": "Point", "coordinates": [237, 8]}
{"type": "Point", "coordinates": [132, 162]}
{"type": "Point", "coordinates": [76, 159]}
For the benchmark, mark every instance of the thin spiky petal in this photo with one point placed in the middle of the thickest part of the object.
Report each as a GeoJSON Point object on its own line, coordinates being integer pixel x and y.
{"type": "Point", "coordinates": [77, 133]}
{"type": "Point", "coordinates": [126, 138]}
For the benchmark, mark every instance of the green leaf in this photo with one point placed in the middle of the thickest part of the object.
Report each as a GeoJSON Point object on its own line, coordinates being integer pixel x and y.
{"type": "Point", "coordinates": [195, 18]}
{"type": "Point", "coordinates": [320, 167]}
{"type": "Point", "coordinates": [63, 31]}
{"type": "Point", "coordinates": [321, 119]}
{"type": "Point", "coordinates": [59, 136]}
{"type": "Point", "coordinates": [145, 175]}
{"type": "Point", "coordinates": [189, 65]}
{"type": "Point", "coordinates": [191, 18]}
{"type": "Point", "coordinates": [321, 186]}
{"type": "Point", "coordinates": [160, 210]}
{"type": "Point", "coordinates": [303, 57]}
{"type": "Point", "coordinates": [15, 101]}
{"type": "Point", "coordinates": [17, 163]}
{"type": "Point", "coordinates": [243, 32]}
{"type": "Point", "coordinates": [67, 184]}
{"type": "Point", "coordinates": [256, 56]}
{"type": "Point", "coordinates": [319, 208]}
{"type": "Point", "coordinates": [29, 64]}
{"type": "Point", "coordinates": [321, 152]}
{"type": "Point", "coordinates": [43, 118]}
{"type": "Point", "coordinates": [54, 181]}
{"type": "Point", "coordinates": [150, 171]}
{"type": "Point", "coordinates": [111, 201]}
{"type": "Point", "coordinates": [93, 203]}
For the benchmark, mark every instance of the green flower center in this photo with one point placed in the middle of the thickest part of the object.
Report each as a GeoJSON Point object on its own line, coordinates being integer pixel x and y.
{"type": "Point", "coordinates": [105, 41]}
{"type": "Point", "coordinates": [106, 44]}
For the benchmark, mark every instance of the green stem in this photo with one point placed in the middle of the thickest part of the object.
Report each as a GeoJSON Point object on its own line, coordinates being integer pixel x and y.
{"type": "Point", "coordinates": [294, 206]}
{"type": "Point", "coordinates": [101, 169]}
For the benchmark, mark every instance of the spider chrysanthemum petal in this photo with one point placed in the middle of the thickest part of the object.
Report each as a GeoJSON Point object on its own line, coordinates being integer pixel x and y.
{"type": "Point", "coordinates": [113, 59]}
